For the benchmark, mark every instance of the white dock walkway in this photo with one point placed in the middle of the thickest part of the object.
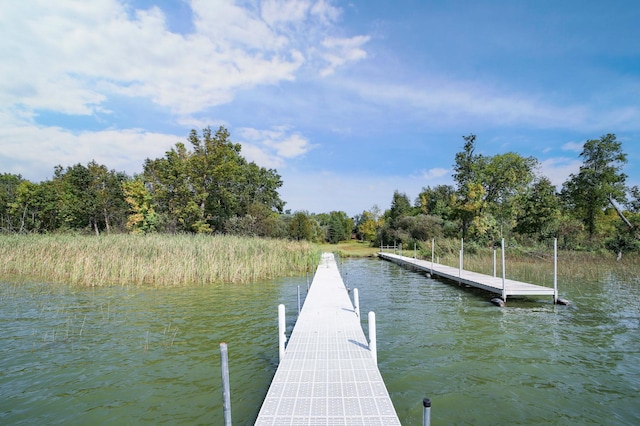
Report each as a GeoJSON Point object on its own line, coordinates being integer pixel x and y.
{"type": "Point", "coordinates": [474, 279]}
{"type": "Point", "coordinates": [327, 376]}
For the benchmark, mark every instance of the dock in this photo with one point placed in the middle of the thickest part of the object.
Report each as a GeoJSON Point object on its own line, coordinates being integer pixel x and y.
{"type": "Point", "coordinates": [504, 288]}
{"type": "Point", "coordinates": [328, 375]}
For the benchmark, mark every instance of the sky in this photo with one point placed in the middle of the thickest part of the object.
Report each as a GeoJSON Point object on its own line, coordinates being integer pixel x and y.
{"type": "Point", "coordinates": [348, 101]}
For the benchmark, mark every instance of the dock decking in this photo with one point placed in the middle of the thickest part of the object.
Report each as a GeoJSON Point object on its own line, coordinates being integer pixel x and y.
{"type": "Point", "coordinates": [474, 279]}
{"type": "Point", "coordinates": [328, 375]}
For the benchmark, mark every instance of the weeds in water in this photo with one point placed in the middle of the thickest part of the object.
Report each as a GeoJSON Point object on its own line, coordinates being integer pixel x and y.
{"type": "Point", "coordinates": [82, 326]}
{"type": "Point", "coordinates": [156, 260]}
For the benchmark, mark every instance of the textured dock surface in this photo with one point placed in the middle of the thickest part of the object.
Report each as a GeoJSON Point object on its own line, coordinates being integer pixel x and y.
{"type": "Point", "coordinates": [474, 279]}
{"type": "Point", "coordinates": [328, 375]}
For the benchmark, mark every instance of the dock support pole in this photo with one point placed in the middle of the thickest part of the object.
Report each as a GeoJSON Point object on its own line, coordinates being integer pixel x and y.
{"type": "Point", "coordinates": [426, 412]}
{"type": "Point", "coordinates": [414, 251]}
{"type": "Point", "coordinates": [282, 338]}
{"type": "Point", "coordinates": [504, 293]}
{"type": "Point", "coordinates": [298, 300]}
{"type": "Point", "coordinates": [461, 253]}
{"type": "Point", "coordinates": [460, 269]}
{"type": "Point", "coordinates": [356, 302]}
{"type": "Point", "coordinates": [433, 251]}
{"type": "Point", "coordinates": [555, 270]}
{"type": "Point", "coordinates": [226, 389]}
{"type": "Point", "coordinates": [494, 262]}
{"type": "Point", "coordinates": [373, 347]}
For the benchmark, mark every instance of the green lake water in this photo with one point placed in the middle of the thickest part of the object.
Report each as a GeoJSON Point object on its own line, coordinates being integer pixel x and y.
{"type": "Point", "coordinates": [151, 356]}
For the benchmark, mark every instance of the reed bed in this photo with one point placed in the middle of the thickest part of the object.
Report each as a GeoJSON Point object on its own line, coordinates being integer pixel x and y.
{"type": "Point", "coordinates": [152, 260]}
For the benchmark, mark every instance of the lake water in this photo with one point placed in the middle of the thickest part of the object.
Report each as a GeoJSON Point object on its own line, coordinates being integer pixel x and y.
{"type": "Point", "coordinates": [148, 356]}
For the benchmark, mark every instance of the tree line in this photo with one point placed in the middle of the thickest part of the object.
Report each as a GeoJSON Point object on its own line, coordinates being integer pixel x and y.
{"type": "Point", "coordinates": [504, 195]}
{"type": "Point", "coordinates": [206, 186]}
{"type": "Point", "coordinates": [202, 186]}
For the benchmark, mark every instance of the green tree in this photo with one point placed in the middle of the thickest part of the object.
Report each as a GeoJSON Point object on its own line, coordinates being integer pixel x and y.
{"type": "Point", "coordinates": [88, 197]}
{"type": "Point", "coordinates": [470, 192]}
{"type": "Point", "coordinates": [368, 224]}
{"type": "Point", "coordinates": [9, 184]}
{"type": "Point", "coordinates": [437, 201]}
{"type": "Point", "coordinates": [174, 196]}
{"type": "Point", "coordinates": [339, 227]}
{"type": "Point", "coordinates": [505, 178]}
{"type": "Point", "coordinates": [633, 203]}
{"type": "Point", "coordinates": [599, 182]}
{"type": "Point", "coordinates": [539, 212]}
{"type": "Point", "coordinates": [75, 203]}
{"type": "Point", "coordinates": [142, 218]}
{"type": "Point", "coordinates": [109, 203]}
{"type": "Point", "coordinates": [300, 227]}
{"type": "Point", "coordinates": [200, 190]}
{"type": "Point", "coordinates": [400, 207]}
{"type": "Point", "coordinates": [25, 207]}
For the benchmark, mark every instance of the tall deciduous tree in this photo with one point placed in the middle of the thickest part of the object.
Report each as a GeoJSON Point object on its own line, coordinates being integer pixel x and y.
{"type": "Point", "coordinates": [539, 211]}
{"type": "Point", "coordinates": [400, 207]}
{"type": "Point", "coordinates": [200, 190]}
{"type": "Point", "coordinates": [599, 182]}
{"type": "Point", "coordinates": [467, 174]}
{"type": "Point", "coordinates": [8, 190]}
{"type": "Point", "coordinates": [505, 177]}
{"type": "Point", "coordinates": [437, 201]}
{"type": "Point", "coordinates": [142, 218]}
{"type": "Point", "coordinates": [368, 223]}
{"type": "Point", "coordinates": [301, 227]}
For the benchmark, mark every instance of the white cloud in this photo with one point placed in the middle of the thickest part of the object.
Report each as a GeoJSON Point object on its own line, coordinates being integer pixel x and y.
{"type": "Point", "coordinates": [558, 169]}
{"type": "Point", "coordinates": [325, 11]}
{"type": "Point", "coordinates": [270, 148]}
{"type": "Point", "coordinates": [434, 173]}
{"type": "Point", "coordinates": [261, 156]}
{"type": "Point", "coordinates": [73, 57]}
{"type": "Point", "coordinates": [70, 57]}
{"type": "Point", "coordinates": [446, 102]}
{"type": "Point", "coordinates": [122, 150]}
{"type": "Point", "coordinates": [276, 11]}
{"type": "Point", "coordinates": [339, 51]}
{"type": "Point", "coordinates": [573, 146]}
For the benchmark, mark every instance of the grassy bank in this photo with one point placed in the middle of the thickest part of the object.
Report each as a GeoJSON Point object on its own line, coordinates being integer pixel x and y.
{"type": "Point", "coordinates": [155, 260]}
{"type": "Point", "coordinates": [351, 248]}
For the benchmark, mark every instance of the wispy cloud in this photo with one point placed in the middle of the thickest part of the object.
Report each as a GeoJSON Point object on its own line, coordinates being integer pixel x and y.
{"type": "Point", "coordinates": [435, 173]}
{"type": "Point", "coordinates": [558, 169]}
{"type": "Point", "coordinates": [122, 150]}
{"type": "Point", "coordinates": [70, 58]}
{"type": "Point", "coordinates": [444, 101]}
{"type": "Point", "coordinates": [339, 51]}
{"type": "Point", "coordinates": [270, 148]}
{"type": "Point", "coordinates": [573, 146]}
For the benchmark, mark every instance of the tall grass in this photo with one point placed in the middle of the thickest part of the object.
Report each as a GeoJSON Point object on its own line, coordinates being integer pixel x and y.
{"type": "Point", "coordinates": [155, 260]}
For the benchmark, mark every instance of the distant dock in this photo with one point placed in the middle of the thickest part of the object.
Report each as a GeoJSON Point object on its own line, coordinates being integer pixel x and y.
{"type": "Point", "coordinates": [503, 287]}
{"type": "Point", "coordinates": [328, 373]}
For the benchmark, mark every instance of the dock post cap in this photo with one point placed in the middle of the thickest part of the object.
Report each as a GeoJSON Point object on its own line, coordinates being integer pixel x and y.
{"type": "Point", "coordinates": [426, 403]}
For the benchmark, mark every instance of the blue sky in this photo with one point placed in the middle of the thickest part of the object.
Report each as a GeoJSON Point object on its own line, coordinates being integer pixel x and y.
{"type": "Point", "coordinates": [349, 101]}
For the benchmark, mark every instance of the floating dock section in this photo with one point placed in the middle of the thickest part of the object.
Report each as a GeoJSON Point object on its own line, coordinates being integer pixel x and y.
{"type": "Point", "coordinates": [328, 375]}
